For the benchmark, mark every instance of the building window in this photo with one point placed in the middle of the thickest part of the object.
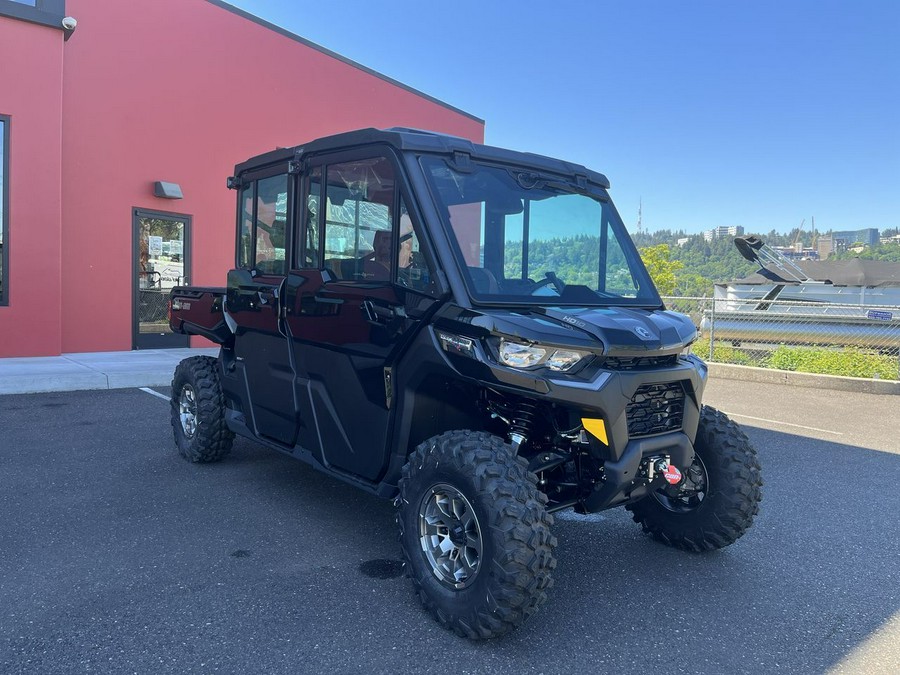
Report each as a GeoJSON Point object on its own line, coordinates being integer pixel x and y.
{"type": "Point", "coordinates": [46, 12]}
{"type": "Point", "coordinates": [4, 210]}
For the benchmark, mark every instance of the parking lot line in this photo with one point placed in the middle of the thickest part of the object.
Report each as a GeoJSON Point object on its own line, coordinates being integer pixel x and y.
{"type": "Point", "coordinates": [785, 424]}
{"type": "Point", "coordinates": [155, 393]}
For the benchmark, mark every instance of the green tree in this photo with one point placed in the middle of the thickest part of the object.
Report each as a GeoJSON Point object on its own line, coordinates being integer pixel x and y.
{"type": "Point", "coordinates": [663, 270]}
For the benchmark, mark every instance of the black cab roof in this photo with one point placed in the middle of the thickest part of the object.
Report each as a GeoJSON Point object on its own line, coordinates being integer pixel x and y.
{"type": "Point", "coordinates": [417, 140]}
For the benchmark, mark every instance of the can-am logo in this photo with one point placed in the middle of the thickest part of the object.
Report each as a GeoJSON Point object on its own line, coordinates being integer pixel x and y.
{"type": "Point", "coordinates": [643, 333]}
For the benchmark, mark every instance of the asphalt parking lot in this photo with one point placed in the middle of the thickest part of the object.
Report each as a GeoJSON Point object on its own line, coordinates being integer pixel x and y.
{"type": "Point", "coordinates": [118, 556]}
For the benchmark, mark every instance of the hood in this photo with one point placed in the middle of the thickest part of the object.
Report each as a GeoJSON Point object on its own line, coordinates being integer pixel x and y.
{"type": "Point", "coordinates": [630, 332]}
{"type": "Point", "coordinates": [622, 331]}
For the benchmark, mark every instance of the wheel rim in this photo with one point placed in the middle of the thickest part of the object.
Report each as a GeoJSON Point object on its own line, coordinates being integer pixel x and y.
{"type": "Point", "coordinates": [450, 536]}
{"type": "Point", "coordinates": [689, 494]}
{"type": "Point", "coordinates": [187, 411]}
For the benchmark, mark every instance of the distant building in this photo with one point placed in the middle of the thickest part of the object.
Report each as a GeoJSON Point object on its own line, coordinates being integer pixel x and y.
{"type": "Point", "coordinates": [868, 236]}
{"type": "Point", "coordinates": [716, 233]}
{"type": "Point", "coordinates": [681, 242]}
{"type": "Point", "coordinates": [828, 245]}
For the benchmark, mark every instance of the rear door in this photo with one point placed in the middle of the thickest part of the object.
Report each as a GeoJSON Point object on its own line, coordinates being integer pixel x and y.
{"type": "Point", "coordinates": [254, 300]}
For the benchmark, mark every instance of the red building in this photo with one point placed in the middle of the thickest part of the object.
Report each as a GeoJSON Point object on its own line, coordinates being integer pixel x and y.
{"type": "Point", "coordinates": [115, 141]}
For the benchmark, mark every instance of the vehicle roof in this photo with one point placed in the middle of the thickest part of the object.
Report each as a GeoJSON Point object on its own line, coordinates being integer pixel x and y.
{"type": "Point", "coordinates": [417, 140]}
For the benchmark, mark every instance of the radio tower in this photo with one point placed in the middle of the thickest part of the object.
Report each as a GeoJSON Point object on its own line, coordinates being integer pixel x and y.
{"type": "Point", "coordinates": [640, 205]}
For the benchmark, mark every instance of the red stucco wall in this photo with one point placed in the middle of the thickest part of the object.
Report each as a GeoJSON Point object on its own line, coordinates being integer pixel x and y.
{"type": "Point", "coordinates": [182, 94]}
{"type": "Point", "coordinates": [31, 61]}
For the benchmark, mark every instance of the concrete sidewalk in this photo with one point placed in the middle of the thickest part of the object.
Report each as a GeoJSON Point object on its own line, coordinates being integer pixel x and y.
{"type": "Point", "coordinates": [98, 370]}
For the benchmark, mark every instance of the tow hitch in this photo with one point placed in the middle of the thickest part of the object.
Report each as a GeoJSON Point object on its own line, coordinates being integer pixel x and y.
{"type": "Point", "coordinates": [662, 467]}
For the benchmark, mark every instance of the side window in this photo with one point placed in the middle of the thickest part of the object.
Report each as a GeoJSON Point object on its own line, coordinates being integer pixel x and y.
{"type": "Point", "coordinates": [245, 242]}
{"type": "Point", "coordinates": [359, 212]}
{"type": "Point", "coordinates": [263, 223]}
{"type": "Point", "coordinates": [412, 268]}
{"type": "Point", "coordinates": [618, 277]}
{"type": "Point", "coordinates": [271, 217]}
{"type": "Point", "coordinates": [310, 255]}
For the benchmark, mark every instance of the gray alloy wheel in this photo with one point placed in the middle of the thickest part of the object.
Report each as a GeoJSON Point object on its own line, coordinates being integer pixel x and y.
{"type": "Point", "coordinates": [187, 411]}
{"type": "Point", "coordinates": [450, 535]}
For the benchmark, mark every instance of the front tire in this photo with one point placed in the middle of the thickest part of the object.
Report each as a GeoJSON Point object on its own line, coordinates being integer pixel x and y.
{"type": "Point", "coordinates": [716, 502]}
{"type": "Point", "coordinates": [198, 411]}
{"type": "Point", "coordinates": [475, 533]}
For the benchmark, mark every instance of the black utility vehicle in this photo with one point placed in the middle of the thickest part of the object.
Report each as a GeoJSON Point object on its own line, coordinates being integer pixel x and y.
{"type": "Point", "coordinates": [470, 332]}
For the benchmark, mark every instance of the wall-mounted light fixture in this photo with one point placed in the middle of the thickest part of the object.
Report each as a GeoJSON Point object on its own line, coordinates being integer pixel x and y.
{"type": "Point", "coordinates": [167, 190]}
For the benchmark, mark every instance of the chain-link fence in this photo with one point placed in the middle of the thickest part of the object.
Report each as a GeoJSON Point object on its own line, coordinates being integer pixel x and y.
{"type": "Point", "coordinates": [812, 337]}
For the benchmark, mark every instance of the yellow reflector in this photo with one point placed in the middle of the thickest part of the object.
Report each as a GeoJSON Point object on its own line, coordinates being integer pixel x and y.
{"type": "Point", "coordinates": [596, 428]}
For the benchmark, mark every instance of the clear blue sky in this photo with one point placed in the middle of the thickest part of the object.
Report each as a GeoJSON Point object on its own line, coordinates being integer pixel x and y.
{"type": "Point", "coordinates": [713, 113]}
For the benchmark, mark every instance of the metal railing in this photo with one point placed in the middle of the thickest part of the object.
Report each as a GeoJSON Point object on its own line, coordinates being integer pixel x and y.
{"type": "Point", "coordinates": [835, 339]}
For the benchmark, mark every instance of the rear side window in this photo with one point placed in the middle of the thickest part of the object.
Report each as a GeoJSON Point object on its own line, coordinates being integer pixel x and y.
{"type": "Point", "coordinates": [263, 223]}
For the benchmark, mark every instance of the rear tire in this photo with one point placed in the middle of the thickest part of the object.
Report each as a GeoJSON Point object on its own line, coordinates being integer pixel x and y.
{"type": "Point", "coordinates": [727, 468]}
{"type": "Point", "coordinates": [198, 411]}
{"type": "Point", "coordinates": [475, 533]}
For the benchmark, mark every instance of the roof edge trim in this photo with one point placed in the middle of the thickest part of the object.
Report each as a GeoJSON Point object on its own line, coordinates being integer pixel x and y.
{"type": "Point", "coordinates": [309, 43]}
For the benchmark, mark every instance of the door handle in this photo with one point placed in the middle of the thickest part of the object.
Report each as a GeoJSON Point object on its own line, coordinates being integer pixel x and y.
{"type": "Point", "coordinates": [267, 296]}
{"type": "Point", "coordinates": [382, 313]}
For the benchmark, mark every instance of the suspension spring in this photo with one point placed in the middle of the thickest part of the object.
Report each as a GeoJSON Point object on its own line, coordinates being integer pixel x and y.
{"type": "Point", "coordinates": [521, 423]}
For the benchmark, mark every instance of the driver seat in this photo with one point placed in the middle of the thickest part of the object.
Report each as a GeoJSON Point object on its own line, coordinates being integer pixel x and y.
{"type": "Point", "coordinates": [484, 280]}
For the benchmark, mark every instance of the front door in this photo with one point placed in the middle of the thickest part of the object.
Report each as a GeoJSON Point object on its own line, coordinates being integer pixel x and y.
{"type": "Point", "coordinates": [161, 261]}
{"type": "Point", "coordinates": [349, 311]}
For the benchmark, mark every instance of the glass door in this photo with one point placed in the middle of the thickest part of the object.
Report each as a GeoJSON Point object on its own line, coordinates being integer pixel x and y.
{"type": "Point", "coordinates": [161, 262]}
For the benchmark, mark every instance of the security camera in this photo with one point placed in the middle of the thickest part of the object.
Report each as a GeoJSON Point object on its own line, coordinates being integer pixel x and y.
{"type": "Point", "coordinates": [69, 23]}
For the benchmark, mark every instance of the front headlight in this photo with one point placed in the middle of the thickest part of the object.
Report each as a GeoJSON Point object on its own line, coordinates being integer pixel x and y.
{"type": "Point", "coordinates": [519, 355]}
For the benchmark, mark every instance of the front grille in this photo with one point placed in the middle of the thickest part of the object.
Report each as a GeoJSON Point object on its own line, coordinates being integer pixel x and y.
{"type": "Point", "coordinates": [639, 362]}
{"type": "Point", "coordinates": [655, 409]}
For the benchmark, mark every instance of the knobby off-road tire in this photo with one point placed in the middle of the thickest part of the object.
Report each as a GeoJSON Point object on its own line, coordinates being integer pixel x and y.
{"type": "Point", "coordinates": [198, 411]}
{"type": "Point", "coordinates": [475, 533]}
{"type": "Point", "coordinates": [718, 515]}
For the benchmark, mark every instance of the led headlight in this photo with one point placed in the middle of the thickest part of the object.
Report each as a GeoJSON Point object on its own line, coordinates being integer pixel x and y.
{"type": "Point", "coordinates": [563, 359]}
{"type": "Point", "coordinates": [519, 355]}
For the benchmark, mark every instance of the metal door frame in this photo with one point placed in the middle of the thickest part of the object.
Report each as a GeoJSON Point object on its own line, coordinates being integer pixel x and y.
{"type": "Point", "coordinates": [151, 341]}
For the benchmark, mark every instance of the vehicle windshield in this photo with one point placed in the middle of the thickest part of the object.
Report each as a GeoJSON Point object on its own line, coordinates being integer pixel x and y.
{"type": "Point", "coordinates": [531, 238]}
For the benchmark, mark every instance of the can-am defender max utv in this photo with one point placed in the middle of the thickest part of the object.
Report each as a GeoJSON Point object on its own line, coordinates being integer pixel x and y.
{"type": "Point", "coordinates": [470, 332]}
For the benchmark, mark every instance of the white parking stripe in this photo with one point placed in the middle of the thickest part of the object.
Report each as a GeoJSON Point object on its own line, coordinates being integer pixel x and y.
{"type": "Point", "coordinates": [784, 424]}
{"type": "Point", "coordinates": [156, 393]}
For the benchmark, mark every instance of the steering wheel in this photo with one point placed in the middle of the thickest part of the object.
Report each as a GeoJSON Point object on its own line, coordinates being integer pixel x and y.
{"type": "Point", "coordinates": [549, 279]}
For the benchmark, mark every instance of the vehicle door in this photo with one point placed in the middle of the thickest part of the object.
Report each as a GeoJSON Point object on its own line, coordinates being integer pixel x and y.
{"type": "Point", "coordinates": [254, 302]}
{"type": "Point", "coordinates": [363, 290]}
